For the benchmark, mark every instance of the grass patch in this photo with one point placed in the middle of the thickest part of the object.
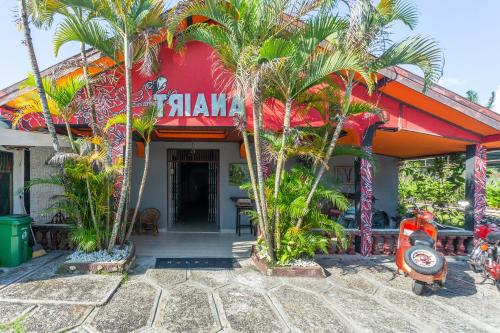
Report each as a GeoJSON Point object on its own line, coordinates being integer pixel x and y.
{"type": "Point", "coordinates": [15, 326]}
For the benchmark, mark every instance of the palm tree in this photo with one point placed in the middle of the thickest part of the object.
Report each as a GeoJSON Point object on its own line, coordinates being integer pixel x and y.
{"type": "Point", "coordinates": [300, 65]}
{"type": "Point", "coordinates": [366, 35]}
{"type": "Point", "coordinates": [24, 24]}
{"type": "Point", "coordinates": [144, 126]}
{"type": "Point", "coordinates": [61, 100]}
{"type": "Point", "coordinates": [129, 26]}
{"type": "Point", "coordinates": [472, 96]}
{"type": "Point", "coordinates": [243, 29]}
{"type": "Point", "coordinates": [491, 100]}
{"type": "Point", "coordinates": [70, 29]}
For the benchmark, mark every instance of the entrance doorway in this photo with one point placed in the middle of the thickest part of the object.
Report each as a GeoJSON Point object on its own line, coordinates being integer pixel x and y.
{"type": "Point", "coordinates": [193, 193]}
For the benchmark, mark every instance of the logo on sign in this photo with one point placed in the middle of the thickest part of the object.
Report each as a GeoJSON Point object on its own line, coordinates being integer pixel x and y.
{"type": "Point", "coordinates": [191, 105]}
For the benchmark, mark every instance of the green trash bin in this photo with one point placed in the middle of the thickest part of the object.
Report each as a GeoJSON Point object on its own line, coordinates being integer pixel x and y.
{"type": "Point", "coordinates": [14, 240]}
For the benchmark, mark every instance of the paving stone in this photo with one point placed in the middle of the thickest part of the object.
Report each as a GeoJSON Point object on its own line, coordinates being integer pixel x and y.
{"type": "Point", "coordinates": [212, 278]}
{"type": "Point", "coordinates": [460, 272]}
{"type": "Point", "coordinates": [167, 277]}
{"type": "Point", "coordinates": [368, 314]}
{"type": "Point", "coordinates": [247, 310]}
{"type": "Point", "coordinates": [88, 289]}
{"type": "Point", "coordinates": [187, 308]}
{"type": "Point", "coordinates": [351, 279]}
{"type": "Point", "coordinates": [312, 284]}
{"type": "Point", "coordinates": [79, 329]}
{"type": "Point", "coordinates": [250, 276]}
{"type": "Point", "coordinates": [9, 275]}
{"type": "Point", "coordinates": [142, 265]}
{"type": "Point", "coordinates": [55, 318]}
{"type": "Point", "coordinates": [128, 310]}
{"type": "Point", "coordinates": [307, 312]}
{"type": "Point", "coordinates": [387, 277]}
{"type": "Point", "coordinates": [481, 309]}
{"type": "Point", "coordinates": [10, 311]}
{"type": "Point", "coordinates": [427, 311]}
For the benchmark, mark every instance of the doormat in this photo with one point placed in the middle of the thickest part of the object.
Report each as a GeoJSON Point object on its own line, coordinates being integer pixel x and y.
{"type": "Point", "coordinates": [194, 263]}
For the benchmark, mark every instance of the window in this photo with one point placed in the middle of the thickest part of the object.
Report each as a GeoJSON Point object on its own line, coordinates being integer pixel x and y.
{"type": "Point", "coordinates": [6, 194]}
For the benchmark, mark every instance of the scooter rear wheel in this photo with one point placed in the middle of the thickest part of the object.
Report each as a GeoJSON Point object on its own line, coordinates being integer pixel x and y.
{"type": "Point", "coordinates": [498, 285]}
{"type": "Point", "coordinates": [424, 260]}
{"type": "Point", "coordinates": [418, 287]}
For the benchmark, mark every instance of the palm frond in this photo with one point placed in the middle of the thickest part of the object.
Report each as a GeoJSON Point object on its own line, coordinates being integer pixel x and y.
{"type": "Point", "coordinates": [420, 51]}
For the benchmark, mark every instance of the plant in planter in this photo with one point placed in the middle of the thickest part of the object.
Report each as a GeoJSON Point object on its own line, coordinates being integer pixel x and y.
{"type": "Point", "coordinates": [315, 233]}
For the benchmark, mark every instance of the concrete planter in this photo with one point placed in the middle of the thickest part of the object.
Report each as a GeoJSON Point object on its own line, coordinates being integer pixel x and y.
{"type": "Point", "coordinates": [121, 266]}
{"type": "Point", "coordinates": [286, 271]}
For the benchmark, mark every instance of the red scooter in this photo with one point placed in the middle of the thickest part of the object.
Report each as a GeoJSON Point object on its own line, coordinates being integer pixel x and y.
{"type": "Point", "coordinates": [416, 255]}
{"type": "Point", "coordinates": [485, 257]}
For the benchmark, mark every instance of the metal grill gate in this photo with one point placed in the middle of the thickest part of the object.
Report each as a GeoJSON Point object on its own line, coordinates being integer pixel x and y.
{"type": "Point", "coordinates": [174, 159]}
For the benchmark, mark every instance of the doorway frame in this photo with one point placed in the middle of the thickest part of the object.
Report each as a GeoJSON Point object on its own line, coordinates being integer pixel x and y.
{"type": "Point", "coordinates": [170, 219]}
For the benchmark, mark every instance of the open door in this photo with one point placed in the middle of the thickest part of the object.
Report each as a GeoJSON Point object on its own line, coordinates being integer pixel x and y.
{"type": "Point", "coordinates": [193, 190]}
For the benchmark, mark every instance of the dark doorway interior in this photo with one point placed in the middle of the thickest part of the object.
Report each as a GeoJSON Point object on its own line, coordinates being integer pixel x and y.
{"type": "Point", "coordinates": [193, 190]}
{"type": "Point", "coordinates": [193, 196]}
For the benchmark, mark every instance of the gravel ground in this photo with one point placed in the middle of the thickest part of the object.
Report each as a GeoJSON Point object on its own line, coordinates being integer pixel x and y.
{"type": "Point", "coordinates": [100, 256]}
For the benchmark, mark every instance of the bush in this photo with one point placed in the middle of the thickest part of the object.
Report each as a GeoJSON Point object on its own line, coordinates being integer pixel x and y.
{"type": "Point", "coordinates": [314, 235]}
{"type": "Point", "coordinates": [493, 191]}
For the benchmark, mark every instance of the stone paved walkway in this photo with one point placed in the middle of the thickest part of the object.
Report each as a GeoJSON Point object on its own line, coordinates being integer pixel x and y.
{"type": "Point", "coordinates": [359, 295]}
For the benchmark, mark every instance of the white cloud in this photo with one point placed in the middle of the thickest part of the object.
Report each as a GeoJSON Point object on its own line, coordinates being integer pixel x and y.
{"type": "Point", "coordinates": [496, 105]}
{"type": "Point", "coordinates": [451, 81]}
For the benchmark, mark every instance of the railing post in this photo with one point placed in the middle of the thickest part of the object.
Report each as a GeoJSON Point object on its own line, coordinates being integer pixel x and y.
{"type": "Point", "coordinates": [375, 244]}
{"type": "Point", "coordinates": [450, 246]}
{"type": "Point", "coordinates": [386, 249]}
{"type": "Point", "coordinates": [439, 244]}
{"type": "Point", "coordinates": [461, 246]}
{"type": "Point", "coordinates": [395, 240]}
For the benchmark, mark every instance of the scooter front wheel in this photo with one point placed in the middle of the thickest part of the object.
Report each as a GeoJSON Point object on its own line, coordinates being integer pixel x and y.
{"type": "Point", "coordinates": [418, 287]}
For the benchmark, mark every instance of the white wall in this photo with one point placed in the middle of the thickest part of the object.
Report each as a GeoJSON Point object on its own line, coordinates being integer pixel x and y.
{"type": "Point", "coordinates": [41, 195]}
{"type": "Point", "coordinates": [385, 179]}
{"type": "Point", "coordinates": [155, 194]}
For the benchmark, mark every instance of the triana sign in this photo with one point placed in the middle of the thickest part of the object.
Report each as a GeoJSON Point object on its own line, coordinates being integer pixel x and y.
{"type": "Point", "coordinates": [191, 105]}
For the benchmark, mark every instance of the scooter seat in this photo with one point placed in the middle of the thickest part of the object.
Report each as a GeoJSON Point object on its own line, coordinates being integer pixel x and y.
{"type": "Point", "coordinates": [420, 237]}
{"type": "Point", "coordinates": [493, 237]}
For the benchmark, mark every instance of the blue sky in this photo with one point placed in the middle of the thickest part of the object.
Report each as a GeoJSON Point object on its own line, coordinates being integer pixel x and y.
{"type": "Point", "coordinates": [469, 33]}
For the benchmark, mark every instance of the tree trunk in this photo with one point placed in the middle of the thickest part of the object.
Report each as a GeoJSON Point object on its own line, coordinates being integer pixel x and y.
{"type": "Point", "coordinates": [323, 146]}
{"type": "Point", "coordinates": [128, 53]}
{"type": "Point", "coordinates": [85, 67]}
{"type": "Point", "coordinates": [36, 72]}
{"type": "Point", "coordinates": [141, 190]}
{"type": "Point", "coordinates": [279, 168]}
{"type": "Point", "coordinates": [256, 102]}
{"type": "Point", "coordinates": [92, 214]}
{"type": "Point", "coordinates": [249, 159]}
{"type": "Point", "coordinates": [70, 137]}
{"type": "Point", "coordinates": [333, 142]}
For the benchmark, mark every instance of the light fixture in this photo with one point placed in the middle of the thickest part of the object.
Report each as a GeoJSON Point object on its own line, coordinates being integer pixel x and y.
{"type": "Point", "coordinates": [190, 134]}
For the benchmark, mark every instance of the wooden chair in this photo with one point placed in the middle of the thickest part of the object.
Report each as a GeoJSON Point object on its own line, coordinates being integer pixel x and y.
{"type": "Point", "coordinates": [241, 206]}
{"type": "Point", "coordinates": [150, 217]}
{"type": "Point", "coordinates": [130, 214]}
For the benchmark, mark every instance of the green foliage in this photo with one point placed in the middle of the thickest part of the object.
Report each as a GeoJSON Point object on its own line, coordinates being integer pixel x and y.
{"type": "Point", "coordinates": [437, 184]}
{"type": "Point", "coordinates": [317, 229]}
{"type": "Point", "coordinates": [83, 175]}
{"type": "Point", "coordinates": [15, 326]}
{"type": "Point", "coordinates": [86, 239]}
{"type": "Point", "coordinates": [493, 190]}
